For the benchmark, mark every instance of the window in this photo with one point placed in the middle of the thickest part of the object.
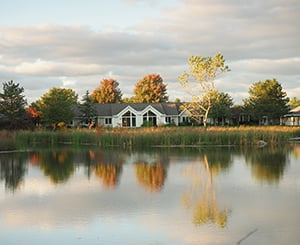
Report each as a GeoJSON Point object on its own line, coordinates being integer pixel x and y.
{"type": "Point", "coordinates": [108, 121]}
{"type": "Point", "coordinates": [168, 119]}
{"type": "Point", "coordinates": [129, 119]}
{"type": "Point", "coordinates": [150, 117]}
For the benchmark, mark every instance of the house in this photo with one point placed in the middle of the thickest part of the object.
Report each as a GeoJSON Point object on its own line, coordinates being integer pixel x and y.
{"type": "Point", "coordinates": [133, 114]}
{"type": "Point", "coordinates": [292, 118]}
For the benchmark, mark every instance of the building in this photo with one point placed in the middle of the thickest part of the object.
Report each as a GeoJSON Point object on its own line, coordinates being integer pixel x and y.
{"type": "Point", "coordinates": [133, 115]}
{"type": "Point", "coordinates": [292, 118]}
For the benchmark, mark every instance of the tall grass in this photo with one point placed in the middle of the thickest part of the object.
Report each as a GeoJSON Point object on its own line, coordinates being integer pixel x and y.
{"type": "Point", "coordinates": [7, 140]}
{"type": "Point", "coordinates": [178, 136]}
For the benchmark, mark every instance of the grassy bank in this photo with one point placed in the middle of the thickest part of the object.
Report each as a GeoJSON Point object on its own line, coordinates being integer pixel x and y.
{"type": "Point", "coordinates": [178, 136]}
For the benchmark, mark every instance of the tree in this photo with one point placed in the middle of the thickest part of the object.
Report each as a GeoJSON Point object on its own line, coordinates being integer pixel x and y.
{"type": "Point", "coordinates": [294, 102]}
{"type": "Point", "coordinates": [221, 104]}
{"type": "Point", "coordinates": [150, 89]}
{"type": "Point", "coordinates": [267, 99]}
{"type": "Point", "coordinates": [107, 92]}
{"type": "Point", "coordinates": [56, 106]}
{"type": "Point", "coordinates": [202, 71]}
{"type": "Point", "coordinates": [87, 108]}
{"type": "Point", "coordinates": [12, 105]}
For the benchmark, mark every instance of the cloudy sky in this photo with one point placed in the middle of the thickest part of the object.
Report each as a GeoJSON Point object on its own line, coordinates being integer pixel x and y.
{"type": "Point", "coordinates": [76, 43]}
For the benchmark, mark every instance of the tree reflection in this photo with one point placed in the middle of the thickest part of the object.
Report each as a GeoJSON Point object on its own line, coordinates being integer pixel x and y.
{"type": "Point", "coordinates": [268, 163]}
{"type": "Point", "coordinates": [151, 173]}
{"type": "Point", "coordinates": [201, 197]}
{"type": "Point", "coordinates": [12, 170]}
{"type": "Point", "coordinates": [57, 165]}
{"type": "Point", "coordinates": [108, 168]}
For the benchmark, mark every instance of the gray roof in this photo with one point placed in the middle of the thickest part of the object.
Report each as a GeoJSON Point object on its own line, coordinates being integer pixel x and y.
{"type": "Point", "coordinates": [108, 110]}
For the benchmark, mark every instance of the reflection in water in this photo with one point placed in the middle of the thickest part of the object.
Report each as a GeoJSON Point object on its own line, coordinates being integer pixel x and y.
{"type": "Point", "coordinates": [108, 168]}
{"type": "Point", "coordinates": [215, 181]}
{"type": "Point", "coordinates": [12, 170]}
{"type": "Point", "coordinates": [268, 163]}
{"type": "Point", "coordinates": [202, 196]}
{"type": "Point", "coordinates": [151, 174]}
{"type": "Point", "coordinates": [57, 165]}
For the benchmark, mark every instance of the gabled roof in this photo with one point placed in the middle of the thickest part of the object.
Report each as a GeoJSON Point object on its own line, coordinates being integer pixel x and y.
{"type": "Point", "coordinates": [294, 111]}
{"type": "Point", "coordinates": [108, 110]}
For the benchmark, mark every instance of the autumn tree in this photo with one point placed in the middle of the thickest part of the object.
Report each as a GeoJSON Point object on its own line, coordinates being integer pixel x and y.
{"type": "Point", "coordinates": [267, 99]}
{"type": "Point", "coordinates": [12, 105]}
{"type": "Point", "coordinates": [150, 89]}
{"type": "Point", "coordinates": [107, 92]}
{"type": "Point", "coordinates": [34, 112]}
{"type": "Point", "coordinates": [200, 81]}
{"type": "Point", "coordinates": [56, 106]}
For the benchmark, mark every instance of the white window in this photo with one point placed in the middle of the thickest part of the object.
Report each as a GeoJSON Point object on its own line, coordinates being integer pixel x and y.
{"type": "Point", "coordinates": [129, 119]}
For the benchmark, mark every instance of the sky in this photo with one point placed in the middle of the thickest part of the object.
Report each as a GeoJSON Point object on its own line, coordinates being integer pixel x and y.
{"type": "Point", "coordinates": [75, 43]}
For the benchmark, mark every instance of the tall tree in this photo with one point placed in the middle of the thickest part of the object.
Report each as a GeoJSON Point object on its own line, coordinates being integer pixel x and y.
{"type": "Point", "coordinates": [202, 72]}
{"type": "Point", "coordinates": [87, 108]}
{"type": "Point", "coordinates": [56, 106]}
{"type": "Point", "coordinates": [150, 89]}
{"type": "Point", "coordinates": [12, 105]}
{"type": "Point", "coordinates": [267, 99]}
{"type": "Point", "coordinates": [107, 92]}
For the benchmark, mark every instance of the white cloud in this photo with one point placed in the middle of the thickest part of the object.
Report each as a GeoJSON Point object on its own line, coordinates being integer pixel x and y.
{"type": "Point", "coordinates": [50, 68]}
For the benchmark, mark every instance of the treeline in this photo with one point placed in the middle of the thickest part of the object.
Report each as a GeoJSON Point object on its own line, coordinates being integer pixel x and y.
{"type": "Point", "coordinates": [54, 108]}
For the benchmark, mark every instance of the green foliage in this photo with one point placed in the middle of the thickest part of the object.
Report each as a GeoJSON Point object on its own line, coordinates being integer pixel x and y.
{"type": "Point", "coordinates": [294, 102]}
{"type": "Point", "coordinates": [56, 106]}
{"type": "Point", "coordinates": [202, 71]}
{"type": "Point", "coordinates": [107, 92]}
{"type": "Point", "coordinates": [147, 124]}
{"type": "Point", "coordinates": [12, 106]}
{"type": "Point", "coordinates": [267, 99]}
{"type": "Point", "coordinates": [221, 104]}
{"type": "Point", "coordinates": [150, 89]}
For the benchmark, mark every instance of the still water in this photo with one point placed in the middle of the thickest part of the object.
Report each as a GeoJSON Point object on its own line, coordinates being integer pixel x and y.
{"type": "Point", "coordinates": [176, 196]}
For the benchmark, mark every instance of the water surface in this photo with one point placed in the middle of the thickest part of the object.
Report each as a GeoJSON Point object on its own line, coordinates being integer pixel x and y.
{"type": "Point", "coordinates": [184, 196]}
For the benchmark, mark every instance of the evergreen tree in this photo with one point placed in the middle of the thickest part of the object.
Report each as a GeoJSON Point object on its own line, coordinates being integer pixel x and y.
{"type": "Point", "coordinates": [267, 99]}
{"type": "Point", "coordinates": [87, 109]}
{"type": "Point", "coordinates": [12, 106]}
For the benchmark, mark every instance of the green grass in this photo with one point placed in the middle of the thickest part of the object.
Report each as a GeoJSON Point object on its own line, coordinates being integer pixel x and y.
{"type": "Point", "coordinates": [161, 136]}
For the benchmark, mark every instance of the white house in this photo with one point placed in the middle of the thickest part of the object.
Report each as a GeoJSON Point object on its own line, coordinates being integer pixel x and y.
{"type": "Point", "coordinates": [292, 118]}
{"type": "Point", "coordinates": [133, 114]}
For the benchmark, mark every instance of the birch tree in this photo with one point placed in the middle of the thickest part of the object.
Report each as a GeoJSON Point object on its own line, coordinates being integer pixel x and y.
{"type": "Point", "coordinates": [200, 81]}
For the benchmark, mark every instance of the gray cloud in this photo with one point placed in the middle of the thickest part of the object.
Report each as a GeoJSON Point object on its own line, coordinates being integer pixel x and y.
{"type": "Point", "coordinates": [259, 40]}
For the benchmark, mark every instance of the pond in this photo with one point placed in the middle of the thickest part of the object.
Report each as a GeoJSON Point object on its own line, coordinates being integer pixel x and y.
{"type": "Point", "coordinates": [158, 196]}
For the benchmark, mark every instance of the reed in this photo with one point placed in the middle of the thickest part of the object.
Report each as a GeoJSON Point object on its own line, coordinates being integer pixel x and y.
{"type": "Point", "coordinates": [161, 136]}
{"type": "Point", "coordinates": [7, 140]}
